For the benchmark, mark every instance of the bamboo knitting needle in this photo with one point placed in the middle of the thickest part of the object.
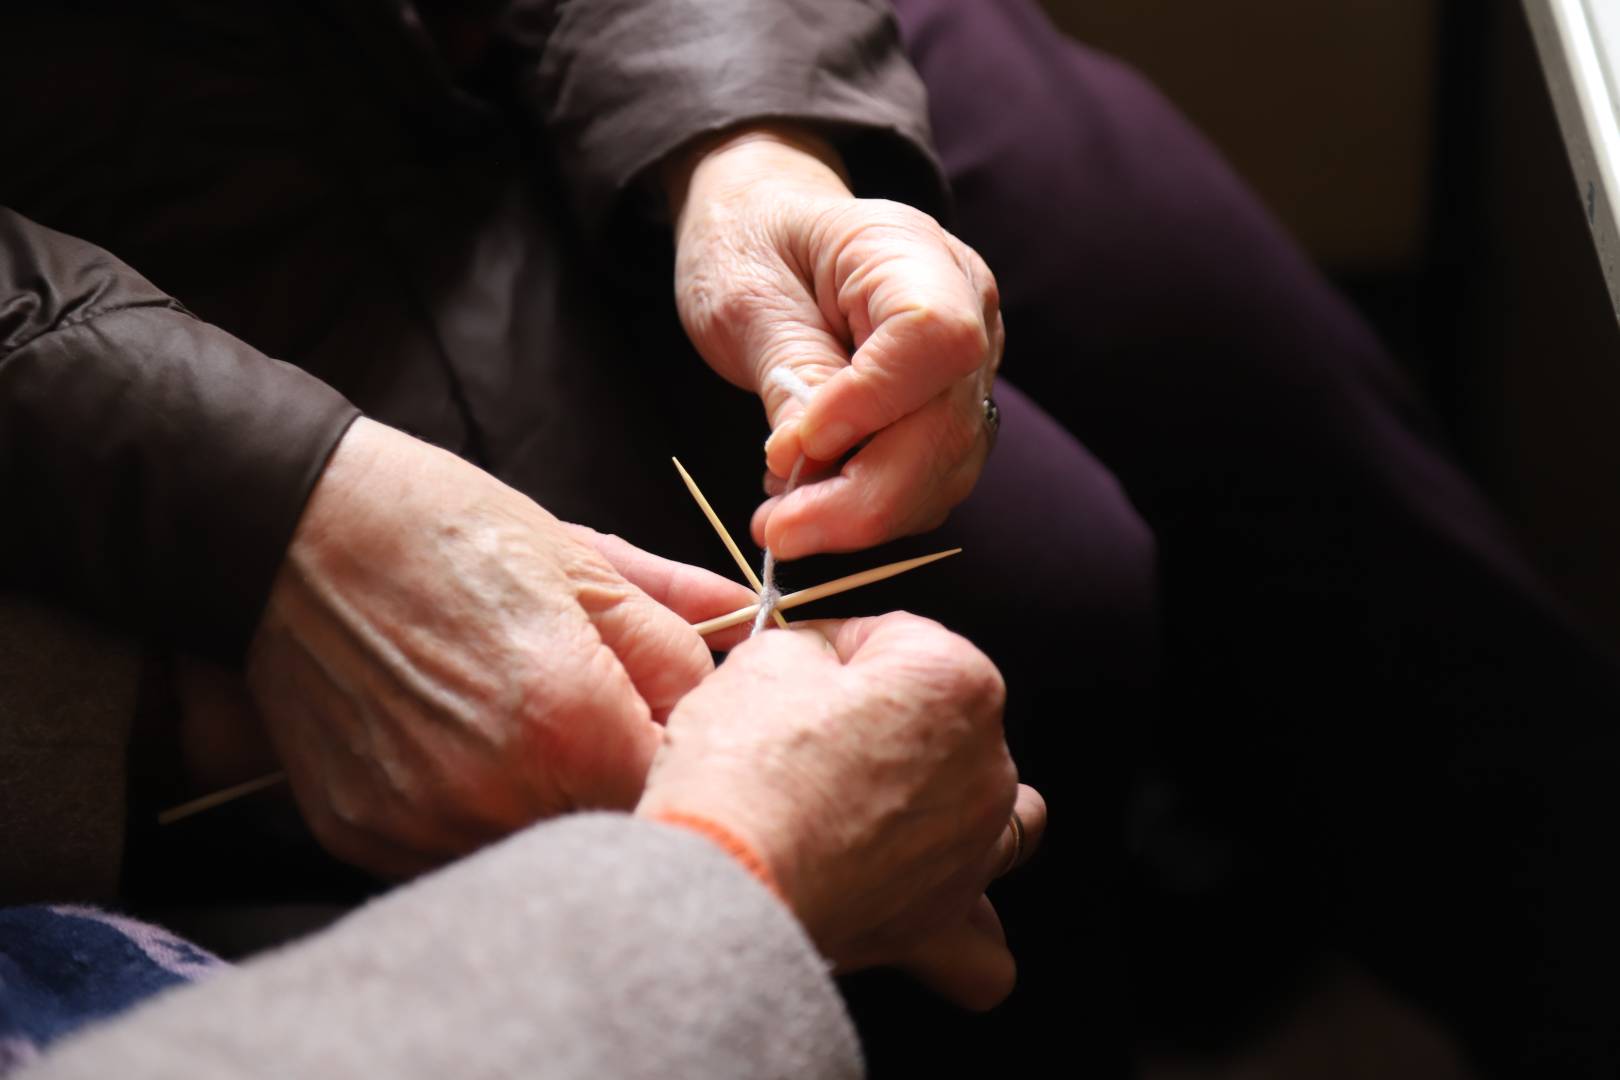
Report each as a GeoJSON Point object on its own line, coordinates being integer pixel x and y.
{"type": "Point", "coordinates": [818, 592]}
{"type": "Point", "coordinates": [723, 622]}
{"type": "Point", "coordinates": [217, 798]}
{"type": "Point", "coordinates": [725, 537]}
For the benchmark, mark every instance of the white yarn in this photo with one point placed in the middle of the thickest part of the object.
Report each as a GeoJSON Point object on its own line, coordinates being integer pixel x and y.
{"type": "Point", "coordinates": [789, 380]}
{"type": "Point", "coordinates": [769, 594]}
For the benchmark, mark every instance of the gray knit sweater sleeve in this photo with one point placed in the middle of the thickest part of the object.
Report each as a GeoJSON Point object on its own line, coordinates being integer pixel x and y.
{"type": "Point", "coordinates": [594, 946]}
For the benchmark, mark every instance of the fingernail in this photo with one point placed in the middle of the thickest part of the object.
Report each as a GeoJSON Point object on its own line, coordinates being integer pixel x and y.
{"type": "Point", "coordinates": [828, 441]}
{"type": "Point", "coordinates": [780, 452]}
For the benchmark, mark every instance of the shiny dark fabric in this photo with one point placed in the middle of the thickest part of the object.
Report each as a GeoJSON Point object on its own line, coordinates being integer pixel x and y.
{"type": "Point", "coordinates": [312, 179]}
{"type": "Point", "coordinates": [153, 466]}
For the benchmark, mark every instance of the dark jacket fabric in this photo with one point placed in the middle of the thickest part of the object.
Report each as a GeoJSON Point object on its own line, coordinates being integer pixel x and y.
{"type": "Point", "coordinates": [153, 466]}
{"type": "Point", "coordinates": [418, 205]}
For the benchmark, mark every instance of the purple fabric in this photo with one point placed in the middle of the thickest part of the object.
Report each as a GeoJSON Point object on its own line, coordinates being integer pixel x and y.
{"type": "Point", "coordinates": [1379, 735]}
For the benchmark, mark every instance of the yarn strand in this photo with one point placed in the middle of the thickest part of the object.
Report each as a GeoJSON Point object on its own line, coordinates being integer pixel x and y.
{"type": "Point", "coordinates": [769, 593]}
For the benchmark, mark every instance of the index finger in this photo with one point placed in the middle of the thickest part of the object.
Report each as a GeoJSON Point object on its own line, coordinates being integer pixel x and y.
{"type": "Point", "coordinates": [904, 481]}
{"type": "Point", "coordinates": [691, 592]}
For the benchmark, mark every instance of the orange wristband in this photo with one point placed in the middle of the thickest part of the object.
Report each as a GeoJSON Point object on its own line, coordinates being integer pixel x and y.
{"type": "Point", "coordinates": [728, 841]}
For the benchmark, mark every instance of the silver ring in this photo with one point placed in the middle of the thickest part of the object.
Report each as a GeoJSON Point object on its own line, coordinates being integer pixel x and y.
{"type": "Point", "coordinates": [992, 417]}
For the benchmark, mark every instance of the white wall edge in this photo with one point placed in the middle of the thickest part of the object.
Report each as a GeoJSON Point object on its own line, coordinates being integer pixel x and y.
{"type": "Point", "coordinates": [1584, 99]}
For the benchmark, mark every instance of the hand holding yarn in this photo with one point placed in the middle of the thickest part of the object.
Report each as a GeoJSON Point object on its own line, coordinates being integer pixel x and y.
{"type": "Point", "coordinates": [895, 322]}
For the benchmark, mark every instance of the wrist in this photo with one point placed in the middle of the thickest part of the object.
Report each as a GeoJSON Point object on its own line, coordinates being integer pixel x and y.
{"type": "Point", "coordinates": [755, 849]}
{"type": "Point", "coordinates": [729, 842]}
{"type": "Point", "coordinates": [348, 473]}
{"type": "Point", "coordinates": [340, 536]}
{"type": "Point", "coordinates": [740, 158]}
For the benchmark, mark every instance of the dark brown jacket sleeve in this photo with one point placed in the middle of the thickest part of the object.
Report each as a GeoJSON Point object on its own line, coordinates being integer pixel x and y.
{"type": "Point", "coordinates": [619, 84]}
{"type": "Point", "coordinates": [153, 467]}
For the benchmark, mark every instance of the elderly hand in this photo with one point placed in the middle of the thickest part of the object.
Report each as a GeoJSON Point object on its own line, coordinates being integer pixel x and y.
{"type": "Point", "coordinates": [442, 662]}
{"type": "Point", "coordinates": [868, 771]}
{"type": "Point", "coordinates": [893, 319]}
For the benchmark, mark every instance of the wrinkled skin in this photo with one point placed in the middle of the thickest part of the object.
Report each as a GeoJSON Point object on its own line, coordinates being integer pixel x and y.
{"type": "Point", "coordinates": [442, 662]}
{"type": "Point", "coordinates": [893, 321]}
{"type": "Point", "coordinates": [868, 769]}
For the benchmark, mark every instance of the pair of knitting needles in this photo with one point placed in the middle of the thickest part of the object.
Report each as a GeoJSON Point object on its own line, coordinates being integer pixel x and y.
{"type": "Point", "coordinates": [705, 628]}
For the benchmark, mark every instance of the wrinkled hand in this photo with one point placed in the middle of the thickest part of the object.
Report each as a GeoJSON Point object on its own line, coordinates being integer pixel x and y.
{"type": "Point", "coordinates": [868, 770]}
{"type": "Point", "coordinates": [895, 321]}
{"type": "Point", "coordinates": [442, 662]}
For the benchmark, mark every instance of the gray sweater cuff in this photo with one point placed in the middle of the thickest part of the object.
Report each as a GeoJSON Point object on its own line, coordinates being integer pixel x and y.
{"type": "Point", "coordinates": [596, 945]}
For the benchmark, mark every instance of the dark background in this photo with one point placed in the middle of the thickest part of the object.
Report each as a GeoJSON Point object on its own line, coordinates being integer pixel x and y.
{"type": "Point", "coordinates": [1411, 147]}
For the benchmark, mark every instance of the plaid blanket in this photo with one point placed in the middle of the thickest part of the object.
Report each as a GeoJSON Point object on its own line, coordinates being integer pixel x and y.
{"type": "Point", "coordinates": [64, 966]}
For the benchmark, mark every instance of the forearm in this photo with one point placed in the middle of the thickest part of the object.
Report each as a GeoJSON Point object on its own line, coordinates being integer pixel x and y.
{"type": "Point", "coordinates": [784, 152]}
{"type": "Point", "coordinates": [592, 946]}
{"type": "Point", "coordinates": [154, 466]}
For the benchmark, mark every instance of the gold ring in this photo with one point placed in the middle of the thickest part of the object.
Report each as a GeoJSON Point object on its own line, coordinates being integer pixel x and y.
{"type": "Point", "coordinates": [1017, 824]}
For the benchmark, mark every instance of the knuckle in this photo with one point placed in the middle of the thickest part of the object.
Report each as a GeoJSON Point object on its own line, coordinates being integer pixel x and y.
{"type": "Point", "coordinates": [881, 213]}
{"type": "Point", "coordinates": [347, 809]}
{"type": "Point", "coordinates": [960, 337]}
{"type": "Point", "coordinates": [979, 272]}
{"type": "Point", "coordinates": [990, 691]}
{"type": "Point", "coordinates": [725, 305]}
{"type": "Point", "coordinates": [978, 682]}
{"type": "Point", "coordinates": [909, 217]}
{"type": "Point", "coordinates": [731, 307]}
{"type": "Point", "coordinates": [989, 288]}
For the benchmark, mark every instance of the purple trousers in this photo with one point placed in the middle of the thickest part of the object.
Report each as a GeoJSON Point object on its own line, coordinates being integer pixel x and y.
{"type": "Point", "coordinates": [1371, 733]}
